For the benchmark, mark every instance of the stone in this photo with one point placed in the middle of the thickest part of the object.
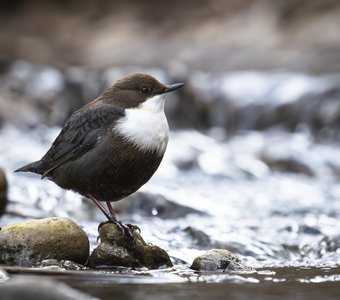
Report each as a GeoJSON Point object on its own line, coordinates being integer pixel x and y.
{"type": "Point", "coordinates": [219, 260]}
{"type": "Point", "coordinates": [115, 249]}
{"type": "Point", "coordinates": [3, 192]}
{"type": "Point", "coordinates": [329, 244]}
{"type": "Point", "coordinates": [199, 238]}
{"type": "Point", "coordinates": [153, 205]}
{"type": "Point", "coordinates": [39, 287]}
{"type": "Point", "coordinates": [288, 164]}
{"type": "Point", "coordinates": [30, 242]}
{"type": "Point", "coordinates": [54, 264]}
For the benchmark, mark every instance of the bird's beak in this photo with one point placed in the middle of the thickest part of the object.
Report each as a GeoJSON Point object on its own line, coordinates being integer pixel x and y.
{"type": "Point", "coordinates": [172, 87]}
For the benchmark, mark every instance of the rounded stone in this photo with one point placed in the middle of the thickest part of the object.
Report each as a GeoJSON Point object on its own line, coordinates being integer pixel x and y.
{"type": "Point", "coordinates": [219, 260]}
{"type": "Point", "coordinates": [115, 249]}
{"type": "Point", "coordinates": [32, 241]}
{"type": "Point", "coordinates": [3, 192]}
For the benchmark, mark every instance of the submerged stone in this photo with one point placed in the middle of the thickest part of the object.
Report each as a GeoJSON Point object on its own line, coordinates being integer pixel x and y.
{"type": "Point", "coordinates": [30, 242]}
{"type": "Point", "coordinates": [115, 249]}
{"type": "Point", "coordinates": [3, 192]}
{"type": "Point", "coordinates": [60, 264]}
{"type": "Point", "coordinates": [219, 260]}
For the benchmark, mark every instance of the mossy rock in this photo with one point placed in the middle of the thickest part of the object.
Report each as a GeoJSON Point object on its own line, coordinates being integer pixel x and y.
{"type": "Point", "coordinates": [116, 249]}
{"type": "Point", "coordinates": [30, 242]}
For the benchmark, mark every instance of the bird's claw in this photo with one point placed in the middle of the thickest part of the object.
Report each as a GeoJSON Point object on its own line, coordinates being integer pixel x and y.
{"type": "Point", "coordinates": [126, 229]}
{"type": "Point", "coordinates": [133, 227]}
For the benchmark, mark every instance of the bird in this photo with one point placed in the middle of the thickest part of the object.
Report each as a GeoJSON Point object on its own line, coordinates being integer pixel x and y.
{"type": "Point", "coordinates": [112, 146]}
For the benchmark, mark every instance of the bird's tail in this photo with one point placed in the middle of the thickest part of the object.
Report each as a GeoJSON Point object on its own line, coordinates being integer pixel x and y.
{"type": "Point", "coordinates": [34, 167]}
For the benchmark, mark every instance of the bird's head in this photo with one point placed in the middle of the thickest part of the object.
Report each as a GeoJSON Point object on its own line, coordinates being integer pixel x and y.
{"type": "Point", "coordinates": [135, 89]}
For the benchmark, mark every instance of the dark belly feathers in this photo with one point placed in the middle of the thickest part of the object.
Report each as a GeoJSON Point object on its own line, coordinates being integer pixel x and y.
{"type": "Point", "coordinates": [112, 170]}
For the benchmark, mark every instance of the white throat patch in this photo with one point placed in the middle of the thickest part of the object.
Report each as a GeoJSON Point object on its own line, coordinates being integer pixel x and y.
{"type": "Point", "coordinates": [146, 126]}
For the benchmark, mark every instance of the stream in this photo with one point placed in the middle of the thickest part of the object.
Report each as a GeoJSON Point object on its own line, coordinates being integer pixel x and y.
{"type": "Point", "coordinates": [269, 196]}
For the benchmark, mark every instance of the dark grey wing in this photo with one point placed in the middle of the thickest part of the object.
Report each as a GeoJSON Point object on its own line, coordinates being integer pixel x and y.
{"type": "Point", "coordinates": [80, 133]}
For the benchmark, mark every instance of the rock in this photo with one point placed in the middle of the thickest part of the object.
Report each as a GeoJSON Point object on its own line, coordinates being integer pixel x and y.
{"type": "Point", "coordinates": [199, 238]}
{"type": "Point", "coordinates": [38, 287]}
{"type": "Point", "coordinates": [32, 241]}
{"type": "Point", "coordinates": [3, 192]}
{"type": "Point", "coordinates": [329, 244]}
{"type": "Point", "coordinates": [149, 205]}
{"type": "Point", "coordinates": [116, 250]}
{"type": "Point", "coordinates": [219, 260]}
{"type": "Point", "coordinates": [60, 265]}
{"type": "Point", "coordinates": [306, 229]}
{"type": "Point", "coordinates": [288, 164]}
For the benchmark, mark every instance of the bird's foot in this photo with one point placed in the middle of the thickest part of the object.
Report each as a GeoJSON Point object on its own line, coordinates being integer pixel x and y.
{"type": "Point", "coordinates": [126, 229]}
{"type": "Point", "coordinates": [133, 227]}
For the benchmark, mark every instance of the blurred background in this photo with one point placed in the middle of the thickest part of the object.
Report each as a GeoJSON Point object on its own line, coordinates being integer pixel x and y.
{"type": "Point", "coordinates": [254, 143]}
{"type": "Point", "coordinates": [234, 56]}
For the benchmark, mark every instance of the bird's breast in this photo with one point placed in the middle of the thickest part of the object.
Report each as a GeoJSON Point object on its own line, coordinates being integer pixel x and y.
{"type": "Point", "coordinates": [147, 129]}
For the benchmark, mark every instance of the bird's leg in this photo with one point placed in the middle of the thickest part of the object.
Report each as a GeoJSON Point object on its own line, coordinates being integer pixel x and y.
{"type": "Point", "coordinates": [111, 218]}
{"type": "Point", "coordinates": [109, 206]}
{"type": "Point", "coordinates": [126, 228]}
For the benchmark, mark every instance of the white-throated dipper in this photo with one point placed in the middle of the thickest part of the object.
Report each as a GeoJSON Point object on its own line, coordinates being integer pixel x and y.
{"type": "Point", "coordinates": [113, 145]}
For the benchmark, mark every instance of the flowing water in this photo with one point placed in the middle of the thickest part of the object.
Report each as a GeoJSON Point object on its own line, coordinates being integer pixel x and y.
{"type": "Point", "coordinates": [271, 197]}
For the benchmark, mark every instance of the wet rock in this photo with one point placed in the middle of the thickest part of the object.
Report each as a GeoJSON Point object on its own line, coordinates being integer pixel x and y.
{"type": "Point", "coordinates": [303, 228]}
{"type": "Point", "coordinates": [329, 244]}
{"type": "Point", "coordinates": [199, 238]}
{"type": "Point", "coordinates": [288, 164]}
{"type": "Point", "coordinates": [32, 241]}
{"type": "Point", "coordinates": [3, 192]}
{"type": "Point", "coordinates": [38, 287]}
{"type": "Point", "coordinates": [116, 250]}
{"type": "Point", "coordinates": [60, 264]}
{"type": "Point", "coordinates": [148, 205]}
{"type": "Point", "coordinates": [219, 260]}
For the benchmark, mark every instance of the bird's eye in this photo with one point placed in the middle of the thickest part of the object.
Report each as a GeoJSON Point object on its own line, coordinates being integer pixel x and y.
{"type": "Point", "coordinates": [145, 90]}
